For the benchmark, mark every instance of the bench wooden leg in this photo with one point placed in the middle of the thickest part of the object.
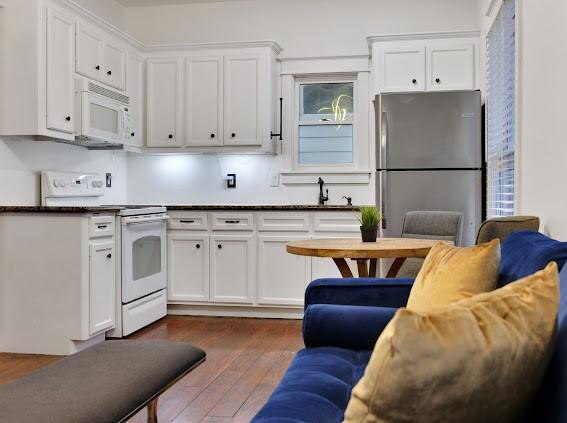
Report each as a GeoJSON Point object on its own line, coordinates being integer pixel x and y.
{"type": "Point", "coordinates": [152, 411]}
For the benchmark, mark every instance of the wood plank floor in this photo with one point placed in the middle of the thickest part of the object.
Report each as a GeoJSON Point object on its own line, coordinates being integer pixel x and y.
{"type": "Point", "coordinates": [246, 358]}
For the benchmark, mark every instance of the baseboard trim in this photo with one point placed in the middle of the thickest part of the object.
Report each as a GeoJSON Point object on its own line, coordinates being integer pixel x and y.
{"type": "Point", "coordinates": [229, 311]}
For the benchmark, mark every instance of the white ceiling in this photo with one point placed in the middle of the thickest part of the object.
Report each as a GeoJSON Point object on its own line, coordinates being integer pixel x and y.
{"type": "Point", "coordinates": [143, 3]}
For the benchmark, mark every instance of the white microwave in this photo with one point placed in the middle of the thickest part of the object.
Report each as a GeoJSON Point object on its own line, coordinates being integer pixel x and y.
{"type": "Point", "coordinates": [103, 115]}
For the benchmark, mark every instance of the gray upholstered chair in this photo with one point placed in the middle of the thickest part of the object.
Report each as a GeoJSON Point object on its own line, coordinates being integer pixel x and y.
{"type": "Point", "coordinates": [442, 225]}
{"type": "Point", "coordinates": [501, 227]}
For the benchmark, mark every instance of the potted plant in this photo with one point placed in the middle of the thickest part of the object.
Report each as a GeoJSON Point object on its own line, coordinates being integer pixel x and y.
{"type": "Point", "coordinates": [369, 219]}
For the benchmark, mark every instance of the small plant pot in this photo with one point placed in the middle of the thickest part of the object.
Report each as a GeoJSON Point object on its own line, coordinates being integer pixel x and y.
{"type": "Point", "coordinates": [369, 234]}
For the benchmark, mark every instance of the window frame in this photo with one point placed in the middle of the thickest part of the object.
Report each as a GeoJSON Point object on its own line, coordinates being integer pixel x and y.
{"type": "Point", "coordinates": [325, 79]}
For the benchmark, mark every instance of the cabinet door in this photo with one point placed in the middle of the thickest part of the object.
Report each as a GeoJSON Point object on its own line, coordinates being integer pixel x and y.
{"type": "Point", "coordinates": [114, 65]}
{"type": "Point", "coordinates": [164, 103]}
{"type": "Point", "coordinates": [135, 90]}
{"type": "Point", "coordinates": [60, 66]}
{"type": "Point", "coordinates": [188, 269]}
{"type": "Point", "coordinates": [402, 69]}
{"type": "Point", "coordinates": [450, 68]}
{"type": "Point", "coordinates": [232, 262]}
{"type": "Point", "coordinates": [89, 53]}
{"type": "Point", "coordinates": [282, 277]}
{"type": "Point", "coordinates": [242, 99]}
{"type": "Point", "coordinates": [203, 101]}
{"type": "Point", "coordinates": [102, 289]}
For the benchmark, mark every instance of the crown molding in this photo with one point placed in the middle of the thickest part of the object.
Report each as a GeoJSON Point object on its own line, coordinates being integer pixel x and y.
{"type": "Point", "coordinates": [276, 48]}
{"type": "Point", "coordinates": [72, 6]}
{"type": "Point", "coordinates": [422, 36]}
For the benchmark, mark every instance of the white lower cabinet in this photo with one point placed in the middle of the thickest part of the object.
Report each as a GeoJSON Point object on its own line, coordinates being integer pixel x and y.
{"type": "Point", "coordinates": [102, 287]}
{"type": "Point", "coordinates": [232, 268]}
{"type": "Point", "coordinates": [282, 277]}
{"type": "Point", "coordinates": [188, 270]}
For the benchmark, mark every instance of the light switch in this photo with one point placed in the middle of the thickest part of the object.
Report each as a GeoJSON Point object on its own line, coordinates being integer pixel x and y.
{"type": "Point", "coordinates": [274, 179]}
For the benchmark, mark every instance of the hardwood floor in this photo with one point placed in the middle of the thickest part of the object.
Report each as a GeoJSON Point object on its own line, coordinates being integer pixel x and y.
{"type": "Point", "coordinates": [246, 358]}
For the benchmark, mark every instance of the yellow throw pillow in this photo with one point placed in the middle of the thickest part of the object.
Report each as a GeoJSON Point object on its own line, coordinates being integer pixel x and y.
{"type": "Point", "coordinates": [478, 360]}
{"type": "Point", "coordinates": [451, 274]}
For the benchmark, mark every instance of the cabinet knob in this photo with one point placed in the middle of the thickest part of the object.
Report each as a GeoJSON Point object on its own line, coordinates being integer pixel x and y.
{"type": "Point", "coordinates": [109, 256]}
{"type": "Point", "coordinates": [414, 81]}
{"type": "Point", "coordinates": [437, 80]}
{"type": "Point", "coordinates": [68, 118]}
{"type": "Point", "coordinates": [212, 135]}
{"type": "Point", "coordinates": [109, 72]}
{"type": "Point", "coordinates": [132, 134]}
{"type": "Point", "coordinates": [198, 246]}
{"type": "Point", "coordinates": [170, 136]}
{"type": "Point", "coordinates": [97, 67]}
{"type": "Point", "coordinates": [233, 135]}
{"type": "Point", "coordinates": [219, 247]}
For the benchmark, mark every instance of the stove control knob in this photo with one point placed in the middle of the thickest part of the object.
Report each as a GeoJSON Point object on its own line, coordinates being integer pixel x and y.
{"type": "Point", "coordinates": [62, 183]}
{"type": "Point", "coordinates": [94, 184]}
{"type": "Point", "coordinates": [56, 183]}
{"type": "Point", "coordinates": [99, 184]}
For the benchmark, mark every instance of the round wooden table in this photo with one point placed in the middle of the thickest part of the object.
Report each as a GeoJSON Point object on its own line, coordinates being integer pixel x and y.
{"type": "Point", "coordinates": [340, 249]}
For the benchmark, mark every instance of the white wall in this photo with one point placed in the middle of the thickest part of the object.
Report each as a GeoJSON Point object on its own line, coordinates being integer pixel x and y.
{"type": "Point", "coordinates": [109, 10]}
{"type": "Point", "coordinates": [543, 111]}
{"type": "Point", "coordinates": [21, 160]}
{"type": "Point", "coordinates": [302, 27]}
{"type": "Point", "coordinates": [198, 179]}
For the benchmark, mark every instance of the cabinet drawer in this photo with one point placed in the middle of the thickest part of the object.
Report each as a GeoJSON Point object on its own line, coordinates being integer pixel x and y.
{"type": "Point", "coordinates": [233, 221]}
{"type": "Point", "coordinates": [188, 221]}
{"type": "Point", "coordinates": [337, 222]}
{"type": "Point", "coordinates": [283, 222]}
{"type": "Point", "coordinates": [100, 226]}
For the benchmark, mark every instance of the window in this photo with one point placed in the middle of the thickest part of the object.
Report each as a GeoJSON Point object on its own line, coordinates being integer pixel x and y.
{"type": "Point", "coordinates": [501, 80]}
{"type": "Point", "coordinates": [325, 122]}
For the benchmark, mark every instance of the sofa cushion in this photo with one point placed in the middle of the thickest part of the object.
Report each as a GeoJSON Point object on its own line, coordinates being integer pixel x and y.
{"type": "Point", "coordinates": [479, 360]}
{"type": "Point", "coordinates": [316, 387]}
{"type": "Point", "coordinates": [526, 252]}
{"type": "Point", "coordinates": [451, 274]}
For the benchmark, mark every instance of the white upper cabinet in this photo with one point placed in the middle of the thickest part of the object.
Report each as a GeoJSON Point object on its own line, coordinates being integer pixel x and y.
{"type": "Point", "coordinates": [60, 83]}
{"type": "Point", "coordinates": [425, 62]}
{"type": "Point", "coordinates": [135, 90]}
{"type": "Point", "coordinates": [203, 101]}
{"type": "Point", "coordinates": [164, 110]}
{"type": "Point", "coordinates": [450, 68]}
{"type": "Point", "coordinates": [242, 93]}
{"type": "Point", "coordinates": [402, 69]}
{"type": "Point", "coordinates": [114, 65]}
{"type": "Point", "coordinates": [89, 52]}
{"type": "Point", "coordinates": [99, 57]}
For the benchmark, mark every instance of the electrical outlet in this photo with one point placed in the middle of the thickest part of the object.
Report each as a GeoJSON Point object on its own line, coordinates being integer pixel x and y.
{"type": "Point", "coordinates": [108, 180]}
{"type": "Point", "coordinates": [274, 179]}
{"type": "Point", "coordinates": [231, 180]}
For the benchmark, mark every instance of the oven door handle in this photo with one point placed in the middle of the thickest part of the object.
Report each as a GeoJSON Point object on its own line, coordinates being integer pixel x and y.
{"type": "Point", "coordinates": [130, 221]}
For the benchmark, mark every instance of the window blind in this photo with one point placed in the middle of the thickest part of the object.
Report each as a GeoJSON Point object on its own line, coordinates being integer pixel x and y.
{"type": "Point", "coordinates": [501, 81]}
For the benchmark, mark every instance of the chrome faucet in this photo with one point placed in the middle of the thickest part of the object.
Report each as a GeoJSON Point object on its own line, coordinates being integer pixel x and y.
{"type": "Point", "coordinates": [322, 198]}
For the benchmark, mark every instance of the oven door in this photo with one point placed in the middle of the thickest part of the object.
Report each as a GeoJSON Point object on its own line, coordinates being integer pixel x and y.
{"type": "Point", "coordinates": [102, 119]}
{"type": "Point", "coordinates": [144, 262]}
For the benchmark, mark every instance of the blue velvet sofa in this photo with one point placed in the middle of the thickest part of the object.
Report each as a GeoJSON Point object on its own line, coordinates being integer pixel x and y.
{"type": "Point", "coordinates": [344, 317]}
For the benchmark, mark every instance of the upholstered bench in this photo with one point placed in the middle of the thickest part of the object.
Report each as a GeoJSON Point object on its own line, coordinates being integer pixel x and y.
{"type": "Point", "coordinates": [109, 382]}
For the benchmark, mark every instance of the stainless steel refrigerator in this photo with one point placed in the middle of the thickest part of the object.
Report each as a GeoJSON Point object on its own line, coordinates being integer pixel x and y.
{"type": "Point", "coordinates": [429, 157]}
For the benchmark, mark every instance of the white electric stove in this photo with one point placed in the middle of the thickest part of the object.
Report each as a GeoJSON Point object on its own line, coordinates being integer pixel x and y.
{"type": "Point", "coordinates": [141, 248]}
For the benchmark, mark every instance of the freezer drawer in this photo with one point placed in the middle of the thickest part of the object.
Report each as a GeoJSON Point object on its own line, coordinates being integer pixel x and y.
{"type": "Point", "coordinates": [428, 131]}
{"type": "Point", "coordinates": [403, 191]}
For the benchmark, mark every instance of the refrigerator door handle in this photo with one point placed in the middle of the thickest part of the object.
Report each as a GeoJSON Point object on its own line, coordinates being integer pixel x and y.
{"type": "Point", "coordinates": [383, 197]}
{"type": "Point", "coordinates": [383, 139]}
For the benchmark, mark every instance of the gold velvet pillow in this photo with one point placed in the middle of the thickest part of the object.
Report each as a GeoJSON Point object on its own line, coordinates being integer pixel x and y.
{"type": "Point", "coordinates": [478, 360]}
{"type": "Point", "coordinates": [451, 274]}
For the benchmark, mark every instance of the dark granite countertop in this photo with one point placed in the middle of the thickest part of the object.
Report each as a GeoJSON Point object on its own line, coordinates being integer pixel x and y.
{"type": "Point", "coordinates": [59, 209]}
{"type": "Point", "coordinates": [259, 207]}
{"type": "Point", "coordinates": [176, 207]}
